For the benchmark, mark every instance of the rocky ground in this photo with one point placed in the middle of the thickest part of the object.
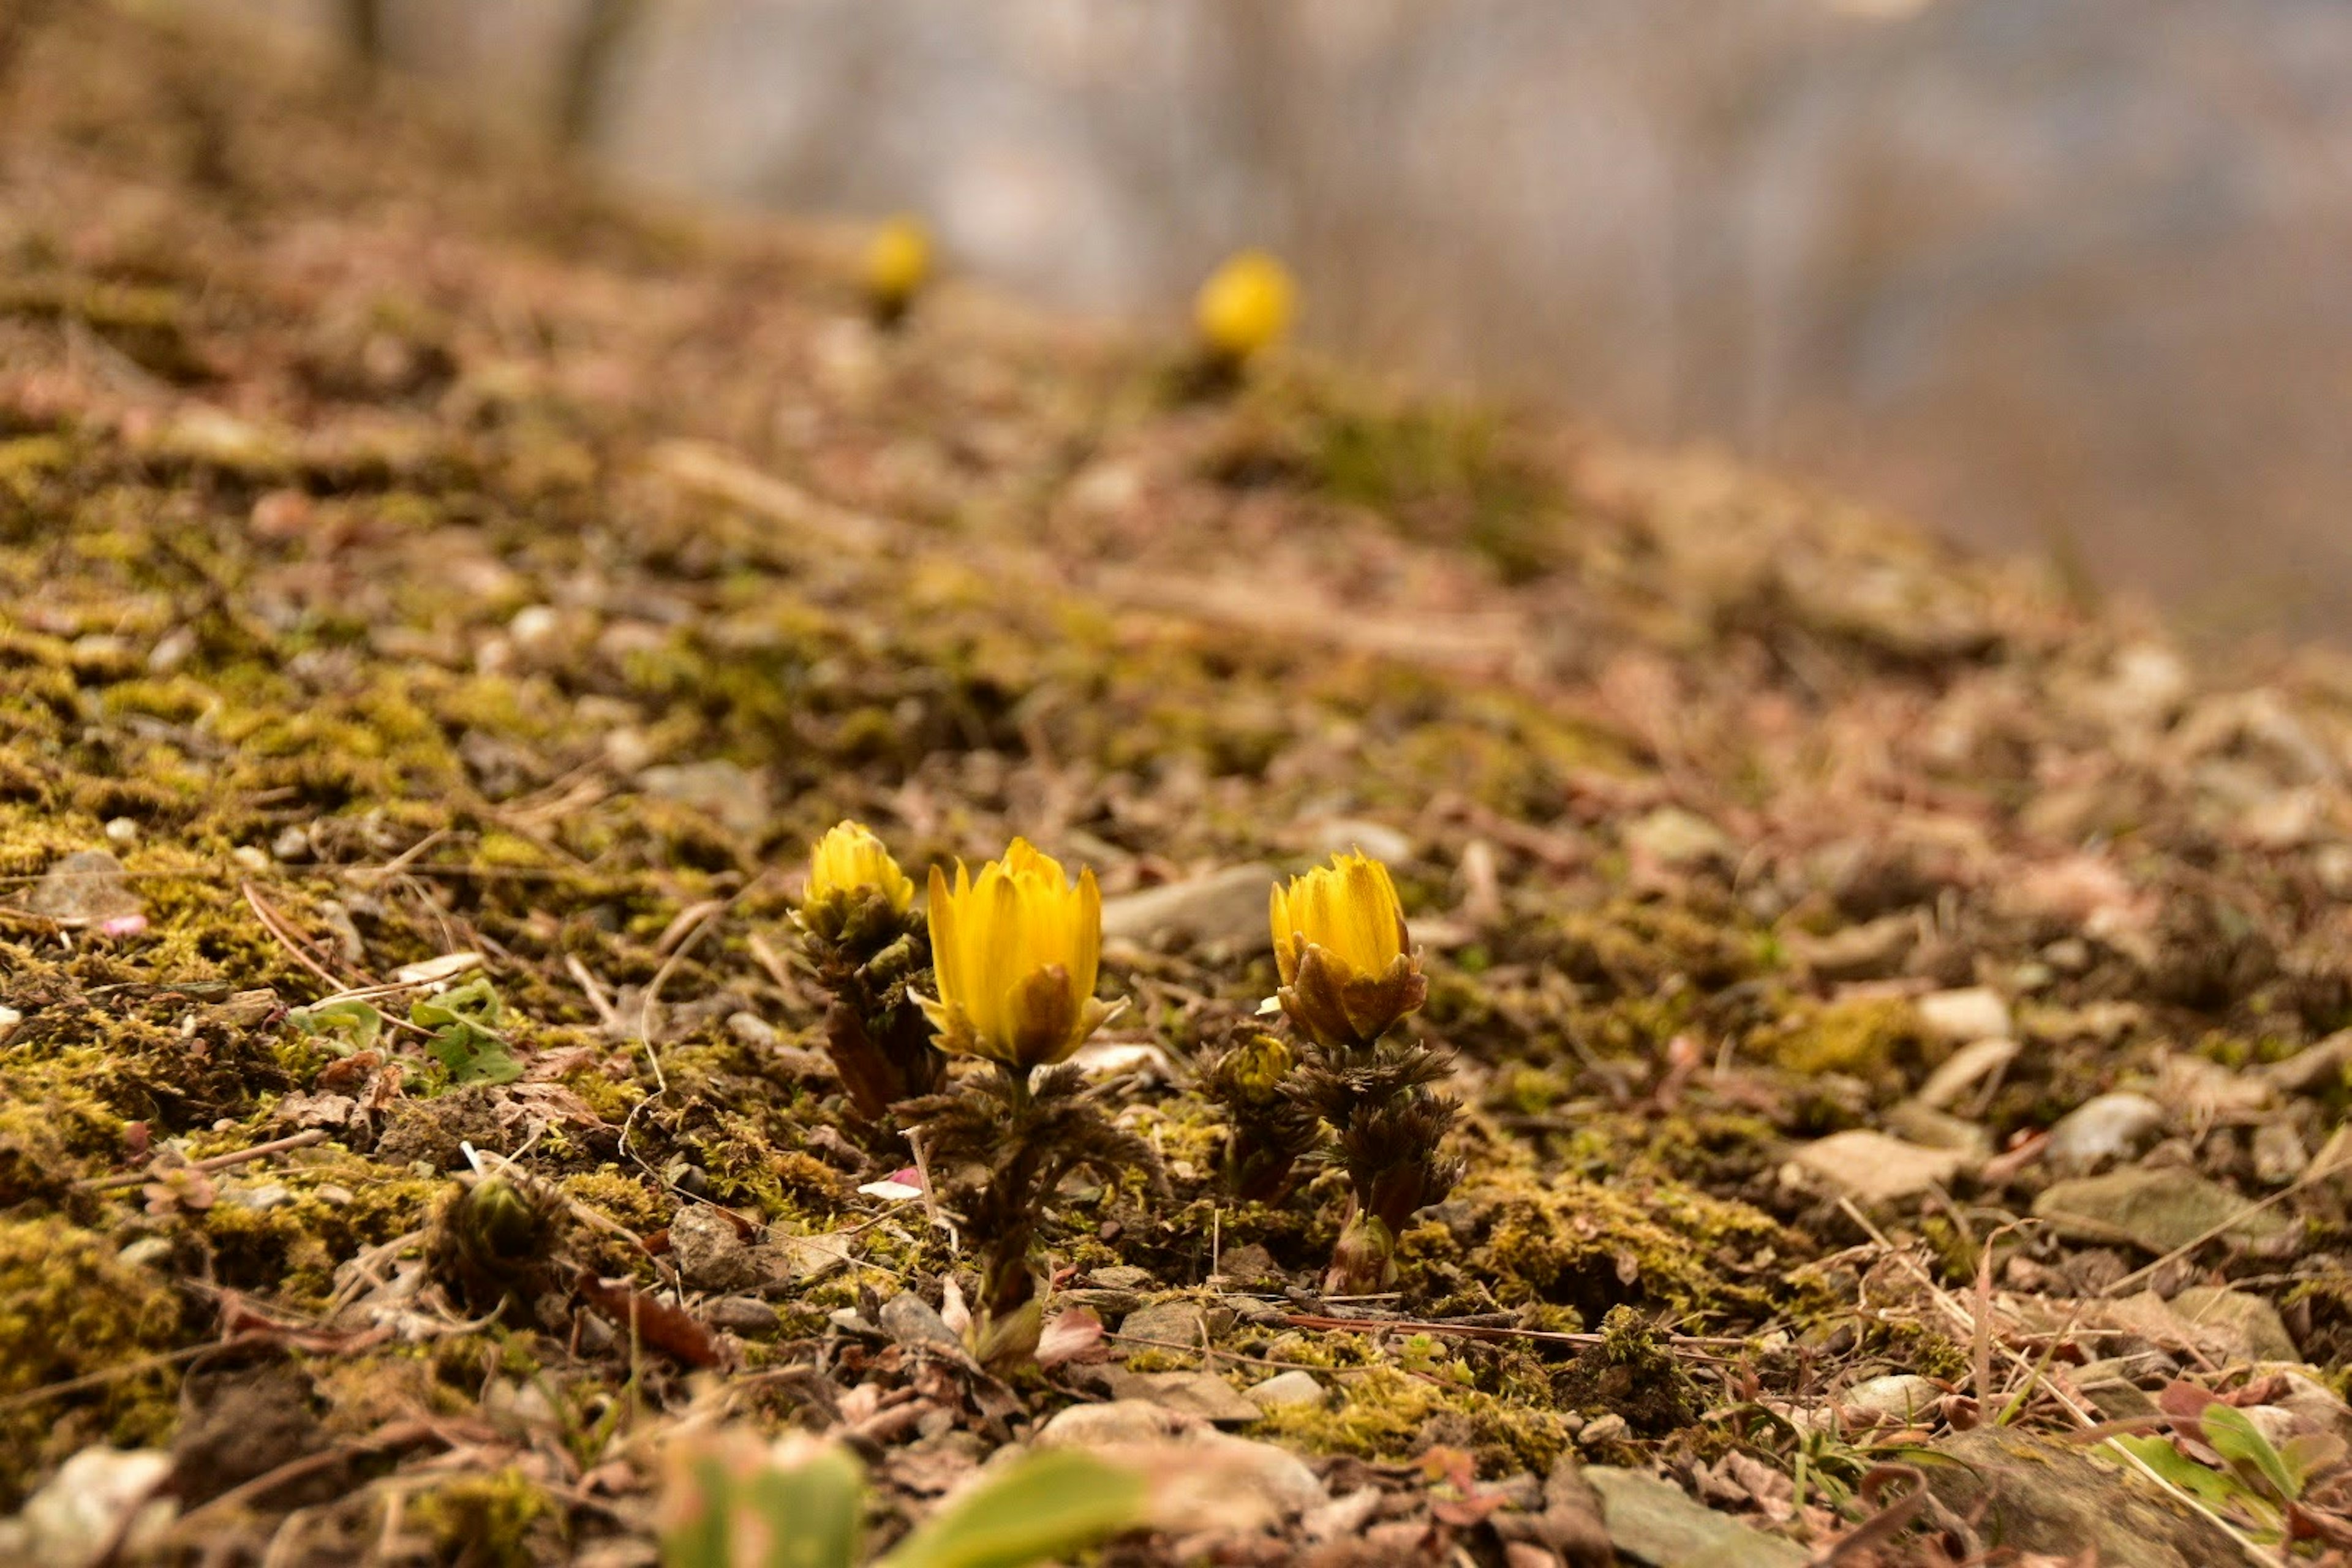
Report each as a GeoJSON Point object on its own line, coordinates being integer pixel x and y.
{"type": "Point", "coordinates": [1896, 1008]}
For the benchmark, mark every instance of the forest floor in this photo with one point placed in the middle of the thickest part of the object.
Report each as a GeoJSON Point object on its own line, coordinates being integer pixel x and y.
{"type": "Point", "coordinates": [1896, 1008]}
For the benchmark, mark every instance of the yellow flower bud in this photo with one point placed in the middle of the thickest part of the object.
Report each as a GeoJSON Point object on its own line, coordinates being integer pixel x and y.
{"type": "Point", "coordinates": [1349, 972]}
{"type": "Point", "coordinates": [850, 859]}
{"type": "Point", "coordinates": [898, 265]}
{"type": "Point", "coordinates": [856, 894]}
{"type": "Point", "coordinates": [1016, 951]}
{"type": "Point", "coordinates": [1245, 305]}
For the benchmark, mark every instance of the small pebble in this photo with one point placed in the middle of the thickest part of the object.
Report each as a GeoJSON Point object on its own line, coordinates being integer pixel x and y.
{"type": "Point", "coordinates": [145, 1252]}
{"type": "Point", "coordinates": [2101, 1131]}
{"type": "Point", "coordinates": [122, 832]}
{"type": "Point", "coordinates": [1975, 1013]}
{"type": "Point", "coordinates": [250, 857]}
{"type": "Point", "coordinates": [1293, 1388]}
{"type": "Point", "coordinates": [741, 1315]}
{"type": "Point", "coordinates": [1603, 1430]}
{"type": "Point", "coordinates": [177, 646]}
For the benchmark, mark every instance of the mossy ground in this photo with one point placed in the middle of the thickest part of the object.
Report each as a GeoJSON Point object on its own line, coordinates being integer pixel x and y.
{"type": "Point", "coordinates": [408, 552]}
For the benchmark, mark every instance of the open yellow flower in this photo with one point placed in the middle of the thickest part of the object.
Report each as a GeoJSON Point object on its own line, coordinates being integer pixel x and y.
{"type": "Point", "coordinates": [1245, 305]}
{"type": "Point", "coordinates": [898, 265]}
{"type": "Point", "coordinates": [1348, 969]}
{"type": "Point", "coordinates": [1015, 950]}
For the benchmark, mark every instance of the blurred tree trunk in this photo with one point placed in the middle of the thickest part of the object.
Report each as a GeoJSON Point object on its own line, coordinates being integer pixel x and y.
{"type": "Point", "coordinates": [362, 24]}
{"type": "Point", "coordinates": [587, 84]}
{"type": "Point", "coordinates": [19, 20]}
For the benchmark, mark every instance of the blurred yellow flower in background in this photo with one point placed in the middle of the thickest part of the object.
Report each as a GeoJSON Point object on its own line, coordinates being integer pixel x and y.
{"type": "Point", "coordinates": [898, 265]}
{"type": "Point", "coordinates": [1015, 952]}
{"type": "Point", "coordinates": [1247, 304]}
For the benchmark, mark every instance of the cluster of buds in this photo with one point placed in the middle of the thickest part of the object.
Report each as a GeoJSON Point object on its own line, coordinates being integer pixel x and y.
{"type": "Point", "coordinates": [1000, 969]}
{"type": "Point", "coordinates": [869, 950]}
{"type": "Point", "coordinates": [1350, 976]}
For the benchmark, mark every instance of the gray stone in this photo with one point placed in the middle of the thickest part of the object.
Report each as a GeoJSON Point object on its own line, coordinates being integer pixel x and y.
{"type": "Point", "coordinates": [911, 1321]}
{"type": "Point", "coordinates": [741, 1315]}
{"type": "Point", "coordinates": [146, 1252]}
{"type": "Point", "coordinates": [1677, 838]}
{"type": "Point", "coordinates": [89, 889]}
{"type": "Point", "coordinates": [1963, 1070]}
{"type": "Point", "coordinates": [2101, 1131]}
{"type": "Point", "coordinates": [1342, 835]}
{"type": "Point", "coordinates": [1656, 1523]}
{"type": "Point", "coordinates": [2158, 1210]}
{"type": "Point", "coordinates": [1178, 1323]}
{"type": "Point", "coordinates": [258, 1196]}
{"type": "Point", "coordinates": [810, 1258]}
{"type": "Point", "coordinates": [1974, 1013]}
{"type": "Point", "coordinates": [1901, 1396]}
{"type": "Point", "coordinates": [2038, 1496]}
{"type": "Point", "coordinates": [1603, 1430]}
{"type": "Point", "coordinates": [731, 796]}
{"type": "Point", "coordinates": [1870, 951]}
{"type": "Point", "coordinates": [1871, 1167]}
{"type": "Point", "coordinates": [2279, 1154]}
{"type": "Point", "coordinates": [101, 1502]}
{"type": "Point", "coordinates": [1292, 1389]}
{"type": "Point", "coordinates": [2312, 1400]}
{"type": "Point", "coordinates": [1106, 1304]}
{"type": "Point", "coordinates": [1223, 906]}
{"type": "Point", "coordinates": [2242, 1316]}
{"type": "Point", "coordinates": [1249, 1264]}
{"type": "Point", "coordinates": [1200, 1393]}
{"type": "Point", "coordinates": [1122, 1277]}
{"type": "Point", "coordinates": [1120, 1421]}
{"type": "Point", "coordinates": [1933, 1129]}
{"type": "Point", "coordinates": [711, 1254]}
{"type": "Point", "coordinates": [1267, 1470]}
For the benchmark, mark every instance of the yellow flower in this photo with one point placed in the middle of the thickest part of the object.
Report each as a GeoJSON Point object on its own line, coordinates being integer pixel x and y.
{"type": "Point", "coordinates": [856, 897]}
{"type": "Point", "coordinates": [848, 859]}
{"type": "Point", "coordinates": [1348, 969]}
{"type": "Point", "coordinates": [1246, 304]}
{"type": "Point", "coordinates": [898, 264]}
{"type": "Point", "coordinates": [1016, 951]}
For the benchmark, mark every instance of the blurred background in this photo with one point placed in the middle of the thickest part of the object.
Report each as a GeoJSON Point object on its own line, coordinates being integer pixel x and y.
{"type": "Point", "coordinates": [2060, 276]}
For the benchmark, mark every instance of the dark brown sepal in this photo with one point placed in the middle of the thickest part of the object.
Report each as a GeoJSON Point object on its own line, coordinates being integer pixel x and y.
{"type": "Point", "coordinates": [1341, 1009]}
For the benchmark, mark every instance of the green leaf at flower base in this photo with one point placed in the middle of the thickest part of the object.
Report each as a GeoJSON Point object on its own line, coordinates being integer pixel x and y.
{"type": "Point", "coordinates": [2217, 1490]}
{"type": "Point", "coordinates": [2237, 1439]}
{"type": "Point", "coordinates": [346, 1028]}
{"type": "Point", "coordinates": [803, 1514]}
{"type": "Point", "coordinates": [1041, 1506]}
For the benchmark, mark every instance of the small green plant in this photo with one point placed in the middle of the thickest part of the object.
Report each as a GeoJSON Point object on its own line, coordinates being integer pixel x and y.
{"type": "Point", "coordinates": [345, 1028]}
{"type": "Point", "coordinates": [461, 1027]}
{"type": "Point", "coordinates": [2265, 1485]}
{"type": "Point", "coordinates": [732, 1503]}
{"type": "Point", "coordinates": [464, 1023]}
